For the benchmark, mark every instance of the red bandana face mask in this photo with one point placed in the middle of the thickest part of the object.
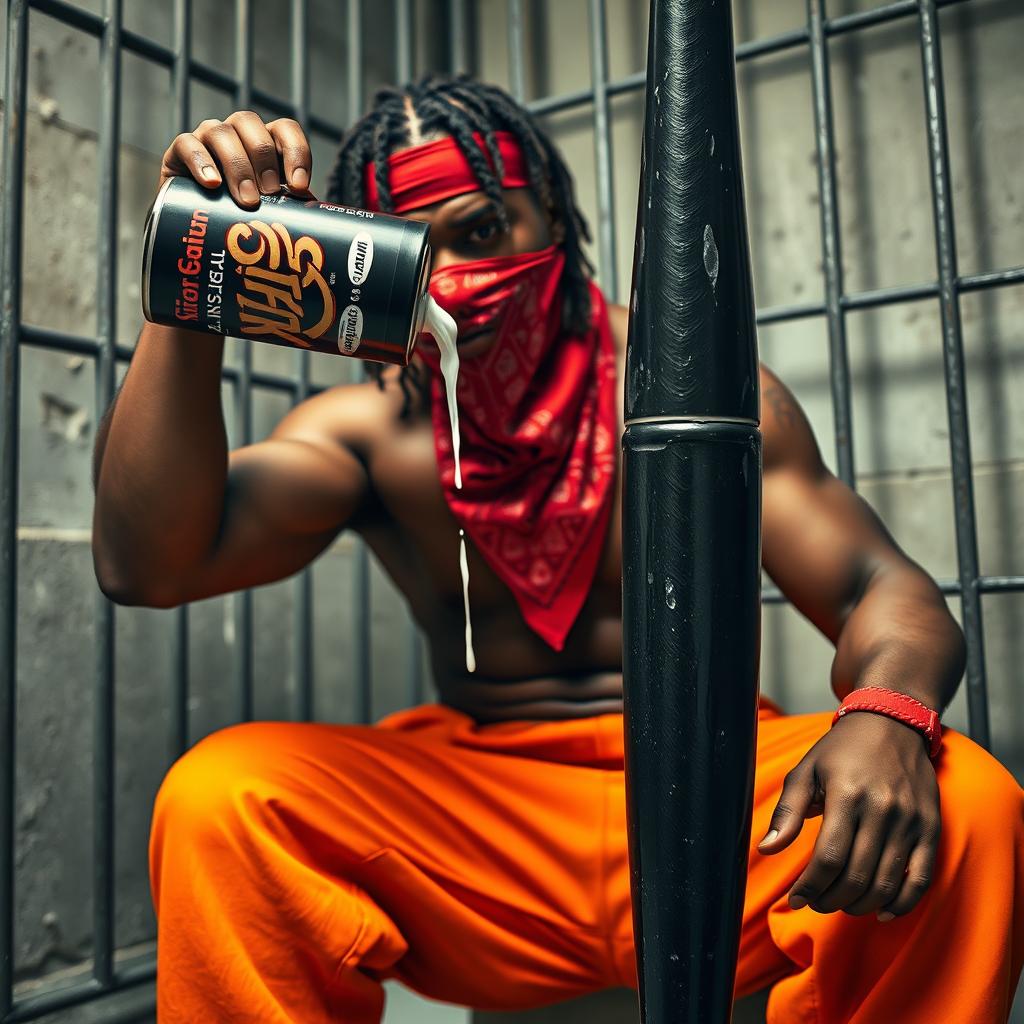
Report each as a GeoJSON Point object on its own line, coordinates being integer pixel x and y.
{"type": "Point", "coordinates": [538, 421]}
{"type": "Point", "coordinates": [537, 410]}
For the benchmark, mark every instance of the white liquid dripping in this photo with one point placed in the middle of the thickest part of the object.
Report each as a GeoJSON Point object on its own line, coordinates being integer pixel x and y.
{"type": "Point", "coordinates": [464, 566]}
{"type": "Point", "coordinates": [444, 329]}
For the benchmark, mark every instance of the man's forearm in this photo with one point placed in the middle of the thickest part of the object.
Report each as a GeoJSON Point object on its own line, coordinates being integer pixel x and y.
{"type": "Point", "coordinates": [901, 635]}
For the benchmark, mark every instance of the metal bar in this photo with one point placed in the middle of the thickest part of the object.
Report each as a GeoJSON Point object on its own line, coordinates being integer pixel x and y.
{"type": "Point", "coordinates": [566, 101]}
{"type": "Point", "coordinates": [403, 72]}
{"type": "Point", "coordinates": [12, 181]}
{"type": "Point", "coordinates": [362, 596]}
{"type": "Point", "coordinates": [603, 150]}
{"type": "Point", "coordinates": [784, 314]}
{"type": "Point", "coordinates": [690, 527]}
{"type": "Point", "coordinates": [414, 666]}
{"type": "Point", "coordinates": [991, 279]}
{"type": "Point", "coordinates": [894, 296]}
{"type": "Point", "coordinates": [1001, 584]}
{"type": "Point", "coordinates": [516, 54]}
{"type": "Point", "coordinates": [180, 624]}
{"type": "Point", "coordinates": [839, 365]}
{"type": "Point", "coordinates": [302, 631]}
{"type": "Point", "coordinates": [887, 296]}
{"type": "Point", "coordinates": [144, 1014]}
{"type": "Point", "coordinates": [60, 341]}
{"type": "Point", "coordinates": [182, 61]}
{"type": "Point", "coordinates": [953, 364]}
{"type": "Point", "coordinates": [242, 602]}
{"type": "Point", "coordinates": [986, 585]}
{"type": "Point", "coordinates": [458, 36]}
{"type": "Point", "coordinates": [127, 975]}
{"type": "Point", "coordinates": [403, 40]}
{"type": "Point", "coordinates": [106, 310]}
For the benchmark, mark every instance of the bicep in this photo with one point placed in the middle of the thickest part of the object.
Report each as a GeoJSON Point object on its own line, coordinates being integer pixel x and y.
{"type": "Point", "coordinates": [821, 542]}
{"type": "Point", "coordinates": [286, 499]}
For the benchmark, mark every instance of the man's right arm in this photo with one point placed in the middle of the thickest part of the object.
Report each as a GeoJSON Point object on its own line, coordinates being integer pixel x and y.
{"type": "Point", "coordinates": [177, 516]}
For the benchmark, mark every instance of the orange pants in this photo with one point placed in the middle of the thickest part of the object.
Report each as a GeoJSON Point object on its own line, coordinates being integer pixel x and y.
{"type": "Point", "coordinates": [295, 865]}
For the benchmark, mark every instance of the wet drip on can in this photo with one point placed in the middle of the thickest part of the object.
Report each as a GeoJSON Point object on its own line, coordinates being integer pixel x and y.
{"type": "Point", "coordinates": [295, 272]}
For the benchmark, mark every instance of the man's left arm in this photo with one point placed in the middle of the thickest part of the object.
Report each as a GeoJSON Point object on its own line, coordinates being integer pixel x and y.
{"type": "Point", "coordinates": [869, 776]}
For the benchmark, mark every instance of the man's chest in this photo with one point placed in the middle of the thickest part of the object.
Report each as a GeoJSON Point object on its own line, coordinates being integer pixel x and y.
{"type": "Point", "coordinates": [405, 477]}
{"type": "Point", "coordinates": [404, 472]}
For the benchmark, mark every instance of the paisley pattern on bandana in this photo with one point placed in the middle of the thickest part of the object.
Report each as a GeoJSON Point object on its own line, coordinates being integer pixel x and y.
{"type": "Point", "coordinates": [538, 421]}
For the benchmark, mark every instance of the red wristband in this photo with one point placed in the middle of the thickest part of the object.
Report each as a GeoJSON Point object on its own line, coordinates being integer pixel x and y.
{"type": "Point", "coordinates": [896, 705]}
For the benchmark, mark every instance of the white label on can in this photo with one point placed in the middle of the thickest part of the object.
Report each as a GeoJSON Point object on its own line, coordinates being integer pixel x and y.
{"type": "Point", "coordinates": [360, 257]}
{"type": "Point", "coordinates": [350, 330]}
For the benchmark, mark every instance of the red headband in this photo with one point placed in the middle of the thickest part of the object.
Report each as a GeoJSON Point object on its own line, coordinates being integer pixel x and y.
{"type": "Point", "coordinates": [439, 170]}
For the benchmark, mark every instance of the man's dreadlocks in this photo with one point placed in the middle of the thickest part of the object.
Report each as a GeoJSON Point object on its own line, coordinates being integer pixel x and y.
{"type": "Point", "coordinates": [459, 106]}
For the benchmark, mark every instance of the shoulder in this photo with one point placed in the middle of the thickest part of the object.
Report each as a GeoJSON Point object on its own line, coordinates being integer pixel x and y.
{"type": "Point", "coordinates": [788, 439]}
{"type": "Point", "coordinates": [618, 318]}
{"type": "Point", "coordinates": [789, 442]}
{"type": "Point", "coordinates": [357, 417]}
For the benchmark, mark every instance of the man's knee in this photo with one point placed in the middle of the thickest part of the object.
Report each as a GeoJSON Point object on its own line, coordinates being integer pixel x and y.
{"type": "Point", "coordinates": [978, 790]}
{"type": "Point", "coordinates": [206, 782]}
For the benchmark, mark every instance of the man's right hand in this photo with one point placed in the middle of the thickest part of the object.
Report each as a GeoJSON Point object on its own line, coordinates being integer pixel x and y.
{"type": "Point", "coordinates": [252, 157]}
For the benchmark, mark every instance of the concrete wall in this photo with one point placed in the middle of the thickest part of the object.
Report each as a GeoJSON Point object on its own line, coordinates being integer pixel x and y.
{"type": "Point", "coordinates": [900, 431]}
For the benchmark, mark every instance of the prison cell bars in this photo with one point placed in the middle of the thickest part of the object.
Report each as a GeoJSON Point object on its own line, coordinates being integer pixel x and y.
{"type": "Point", "coordinates": [302, 621]}
{"type": "Point", "coordinates": [105, 370]}
{"type": "Point", "coordinates": [10, 371]}
{"type": "Point", "coordinates": [953, 365]}
{"type": "Point", "coordinates": [828, 204]}
{"type": "Point", "coordinates": [185, 70]}
{"type": "Point", "coordinates": [241, 603]}
{"type": "Point", "coordinates": [180, 615]}
{"type": "Point", "coordinates": [361, 595]}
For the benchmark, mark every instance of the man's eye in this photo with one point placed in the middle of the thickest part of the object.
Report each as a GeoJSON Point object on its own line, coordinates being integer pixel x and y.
{"type": "Point", "coordinates": [484, 232]}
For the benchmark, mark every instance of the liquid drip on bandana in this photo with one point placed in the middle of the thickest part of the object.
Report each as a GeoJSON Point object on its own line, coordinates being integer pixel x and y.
{"type": "Point", "coordinates": [445, 331]}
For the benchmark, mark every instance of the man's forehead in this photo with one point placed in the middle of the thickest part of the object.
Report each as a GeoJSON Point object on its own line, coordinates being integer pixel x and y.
{"type": "Point", "coordinates": [448, 209]}
{"type": "Point", "coordinates": [464, 206]}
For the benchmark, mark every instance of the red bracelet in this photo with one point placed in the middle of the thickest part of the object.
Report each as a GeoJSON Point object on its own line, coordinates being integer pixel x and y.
{"type": "Point", "coordinates": [896, 705]}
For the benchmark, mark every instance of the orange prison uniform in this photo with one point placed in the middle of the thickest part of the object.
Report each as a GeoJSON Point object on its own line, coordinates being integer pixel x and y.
{"type": "Point", "coordinates": [295, 865]}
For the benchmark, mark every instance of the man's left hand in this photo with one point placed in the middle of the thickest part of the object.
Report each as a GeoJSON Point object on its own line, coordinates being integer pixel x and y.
{"type": "Point", "coordinates": [871, 779]}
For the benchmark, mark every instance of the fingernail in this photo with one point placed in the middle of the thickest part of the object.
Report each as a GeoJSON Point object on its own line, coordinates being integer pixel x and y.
{"type": "Point", "coordinates": [768, 838]}
{"type": "Point", "coordinates": [209, 173]}
{"type": "Point", "coordinates": [247, 190]}
{"type": "Point", "coordinates": [884, 915]}
{"type": "Point", "coordinates": [270, 181]}
{"type": "Point", "coordinates": [796, 902]}
{"type": "Point", "coordinates": [300, 178]}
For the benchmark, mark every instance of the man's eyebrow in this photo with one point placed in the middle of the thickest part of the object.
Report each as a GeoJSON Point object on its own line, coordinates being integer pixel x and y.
{"type": "Point", "coordinates": [473, 216]}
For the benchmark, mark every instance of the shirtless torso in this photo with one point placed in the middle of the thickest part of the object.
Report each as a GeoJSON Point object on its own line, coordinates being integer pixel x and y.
{"type": "Point", "coordinates": [410, 529]}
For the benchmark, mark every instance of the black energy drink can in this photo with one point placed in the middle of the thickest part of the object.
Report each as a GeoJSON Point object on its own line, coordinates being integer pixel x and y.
{"type": "Point", "coordinates": [294, 272]}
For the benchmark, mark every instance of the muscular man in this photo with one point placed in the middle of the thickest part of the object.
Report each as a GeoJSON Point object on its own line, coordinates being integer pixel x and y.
{"type": "Point", "coordinates": [475, 848]}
